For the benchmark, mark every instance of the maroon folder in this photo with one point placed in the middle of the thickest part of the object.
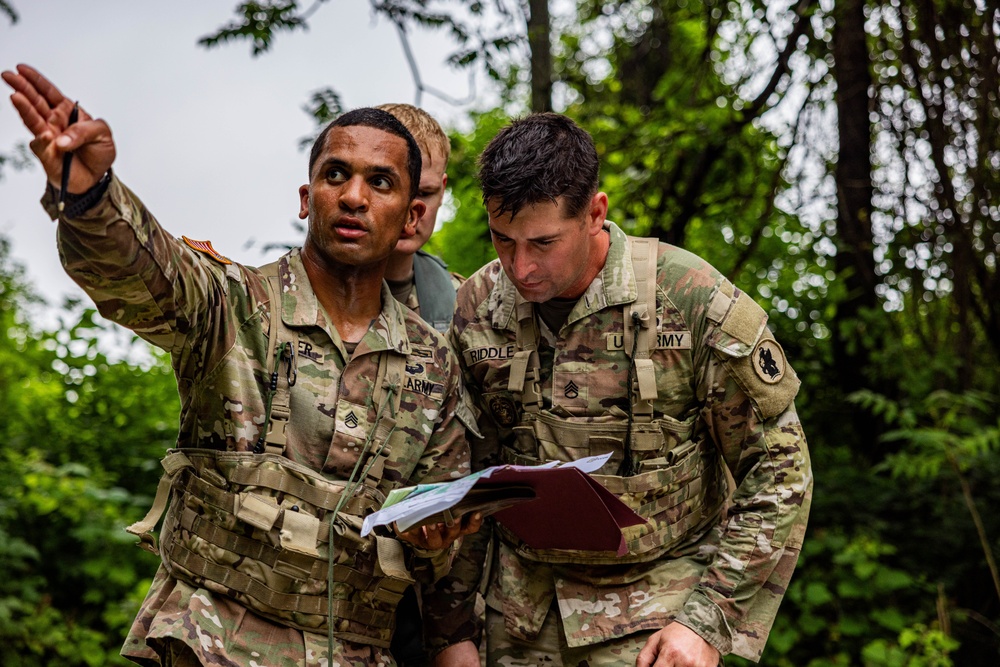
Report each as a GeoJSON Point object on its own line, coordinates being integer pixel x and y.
{"type": "Point", "coordinates": [571, 510]}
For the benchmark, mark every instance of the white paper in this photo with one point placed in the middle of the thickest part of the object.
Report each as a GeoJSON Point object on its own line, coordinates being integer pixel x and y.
{"type": "Point", "coordinates": [429, 499]}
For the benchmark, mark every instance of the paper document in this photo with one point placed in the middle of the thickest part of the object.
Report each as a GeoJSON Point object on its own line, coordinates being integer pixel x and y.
{"type": "Point", "coordinates": [556, 505]}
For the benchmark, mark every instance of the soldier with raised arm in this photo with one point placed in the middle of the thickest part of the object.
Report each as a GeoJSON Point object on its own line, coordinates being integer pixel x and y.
{"type": "Point", "coordinates": [307, 393]}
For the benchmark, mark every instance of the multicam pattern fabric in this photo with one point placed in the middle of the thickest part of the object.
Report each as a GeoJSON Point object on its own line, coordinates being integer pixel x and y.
{"type": "Point", "coordinates": [213, 320]}
{"type": "Point", "coordinates": [724, 579]}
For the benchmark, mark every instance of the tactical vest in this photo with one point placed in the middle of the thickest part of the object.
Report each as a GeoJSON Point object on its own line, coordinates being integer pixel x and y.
{"type": "Point", "coordinates": [665, 469]}
{"type": "Point", "coordinates": [435, 291]}
{"type": "Point", "coordinates": [259, 528]}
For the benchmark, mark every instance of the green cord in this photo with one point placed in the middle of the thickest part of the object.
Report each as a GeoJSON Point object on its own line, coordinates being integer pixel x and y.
{"type": "Point", "coordinates": [349, 491]}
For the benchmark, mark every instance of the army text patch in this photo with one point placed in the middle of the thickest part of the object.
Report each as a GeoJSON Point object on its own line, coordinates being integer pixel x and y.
{"type": "Point", "coordinates": [665, 340]}
{"type": "Point", "coordinates": [423, 386]}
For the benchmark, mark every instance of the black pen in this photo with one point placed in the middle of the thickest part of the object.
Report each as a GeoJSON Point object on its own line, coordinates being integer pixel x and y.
{"type": "Point", "coordinates": [67, 160]}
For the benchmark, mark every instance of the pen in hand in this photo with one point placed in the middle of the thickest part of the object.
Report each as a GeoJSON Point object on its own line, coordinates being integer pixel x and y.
{"type": "Point", "coordinates": [67, 160]}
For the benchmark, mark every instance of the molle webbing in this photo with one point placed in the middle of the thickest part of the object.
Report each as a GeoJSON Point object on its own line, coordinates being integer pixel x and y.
{"type": "Point", "coordinates": [284, 343]}
{"type": "Point", "coordinates": [525, 367]}
{"type": "Point", "coordinates": [673, 489]}
{"type": "Point", "coordinates": [254, 527]}
{"type": "Point", "coordinates": [640, 320]}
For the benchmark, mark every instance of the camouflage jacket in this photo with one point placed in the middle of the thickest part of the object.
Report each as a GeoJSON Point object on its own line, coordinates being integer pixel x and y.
{"type": "Point", "coordinates": [211, 315]}
{"type": "Point", "coordinates": [726, 581]}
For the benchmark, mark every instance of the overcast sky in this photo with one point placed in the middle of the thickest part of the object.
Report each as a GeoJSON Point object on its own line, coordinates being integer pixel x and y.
{"type": "Point", "coordinates": [208, 139]}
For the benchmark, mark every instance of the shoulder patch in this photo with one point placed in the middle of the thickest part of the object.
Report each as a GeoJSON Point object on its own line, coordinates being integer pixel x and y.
{"type": "Point", "coordinates": [206, 248]}
{"type": "Point", "coordinates": [766, 377]}
{"type": "Point", "coordinates": [769, 361]}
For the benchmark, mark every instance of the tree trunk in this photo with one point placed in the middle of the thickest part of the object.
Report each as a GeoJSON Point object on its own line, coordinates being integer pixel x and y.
{"type": "Point", "coordinates": [855, 261]}
{"type": "Point", "coordinates": [541, 55]}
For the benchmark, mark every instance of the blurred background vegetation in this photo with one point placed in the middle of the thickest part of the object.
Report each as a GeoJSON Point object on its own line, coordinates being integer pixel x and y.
{"type": "Point", "coordinates": [838, 159]}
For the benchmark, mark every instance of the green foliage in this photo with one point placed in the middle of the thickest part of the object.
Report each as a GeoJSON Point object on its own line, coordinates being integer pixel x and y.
{"type": "Point", "coordinates": [8, 9]}
{"type": "Point", "coordinates": [849, 604]}
{"type": "Point", "coordinates": [258, 22]}
{"type": "Point", "coordinates": [19, 159]}
{"type": "Point", "coordinates": [463, 241]}
{"type": "Point", "coordinates": [82, 434]}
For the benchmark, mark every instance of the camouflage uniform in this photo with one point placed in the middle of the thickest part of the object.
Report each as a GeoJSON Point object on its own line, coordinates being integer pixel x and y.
{"type": "Point", "coordinates": [716, 555]}
{"type": "Point", "coordinates": [212, 316]}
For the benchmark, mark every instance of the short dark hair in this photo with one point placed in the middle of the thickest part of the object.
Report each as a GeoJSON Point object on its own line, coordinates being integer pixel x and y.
{"type": "Point", "coordinates": [380, 120]}
{"type": "Point", "coordinates": [538, 158]}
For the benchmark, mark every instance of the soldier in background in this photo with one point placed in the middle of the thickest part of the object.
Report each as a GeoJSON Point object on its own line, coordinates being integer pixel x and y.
{"type": "Point", "coordinates": [307, 394]}
{"type": "Point", "coordinates": [419, 280]}
{"type": "Point", "coordinates": [579, 340]}
{"type": "Point", "coordinates": [422, 283]}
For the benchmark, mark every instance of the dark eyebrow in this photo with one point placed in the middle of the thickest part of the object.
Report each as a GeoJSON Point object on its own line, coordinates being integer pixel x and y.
{"type": "Point", "coordinates": [539, 239]}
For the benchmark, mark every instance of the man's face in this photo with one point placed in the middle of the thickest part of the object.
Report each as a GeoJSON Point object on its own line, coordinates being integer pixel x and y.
{"type": "Point", "coordinates": [543, 252]}
{"type": "Point", "coordinates": [358, 201]}
{"type": "Point", "coordinates": [432, 183]}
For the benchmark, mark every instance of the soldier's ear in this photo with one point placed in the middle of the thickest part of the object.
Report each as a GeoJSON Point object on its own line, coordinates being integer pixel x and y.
{"type": "Point", "coordinates": [303, 202]}
{"type": "Point", "coordinates": [597, 213]}
{"type": "Point", "coordinates": [417, 210]}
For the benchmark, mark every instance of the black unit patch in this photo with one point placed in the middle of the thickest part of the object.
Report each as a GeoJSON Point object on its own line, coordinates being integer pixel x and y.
{"type": "Point", "coordinates": [503, 410]}
{"type": "Point", "coordinates": [769, 361]}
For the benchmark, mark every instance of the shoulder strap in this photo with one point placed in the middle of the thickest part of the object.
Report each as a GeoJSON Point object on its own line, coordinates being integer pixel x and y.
{"type": "Point", "coordinates": [435, 292]}
{"type": "Point", "coordinates": [283, 343]}
{"type": "Point", "coordinates": [525, 366]}
{"type": "Point", "coordinates": [640, 322]}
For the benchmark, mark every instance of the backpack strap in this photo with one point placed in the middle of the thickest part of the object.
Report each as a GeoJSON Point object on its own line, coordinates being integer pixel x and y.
{"type": "Point", "coordinates": [284, 343]}
{"type": "Point", "coordinates": [435, 291]}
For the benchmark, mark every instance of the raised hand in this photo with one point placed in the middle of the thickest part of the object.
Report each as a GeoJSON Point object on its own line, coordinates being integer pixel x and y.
{"type": "Point", "coordinates": [45, 112]}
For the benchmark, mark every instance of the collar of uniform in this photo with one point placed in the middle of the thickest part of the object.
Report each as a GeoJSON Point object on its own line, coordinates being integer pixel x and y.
{"type": "Point", "coordinates": [300, 307]}
{"type": "Point", "coordinates": [388, 331]}
{"type": "Point", "coordinates": [613, 286]}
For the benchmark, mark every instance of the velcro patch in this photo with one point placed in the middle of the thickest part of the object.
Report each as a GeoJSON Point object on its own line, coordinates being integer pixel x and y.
{"type": "Point", "coordinates": [665, 340]}
{"type": "Point", "coordinates": [352, 420]}
{"type": "Point", "coordinates": [477, 355]}
{"type": "Point", "coordinates": [423, 386]}
{"type": "Point", "coordinates": [422, 351]}
{"type": "Point", "coordinates": [206, 248]}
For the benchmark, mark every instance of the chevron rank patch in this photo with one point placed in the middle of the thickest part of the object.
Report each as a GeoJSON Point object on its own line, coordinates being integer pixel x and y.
{"type": "Point", "coordinates": [206, 247]}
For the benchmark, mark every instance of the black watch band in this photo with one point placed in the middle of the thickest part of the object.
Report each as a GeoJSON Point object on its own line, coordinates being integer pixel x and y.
{"type": "Point", "coordinates": [77, 205]}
